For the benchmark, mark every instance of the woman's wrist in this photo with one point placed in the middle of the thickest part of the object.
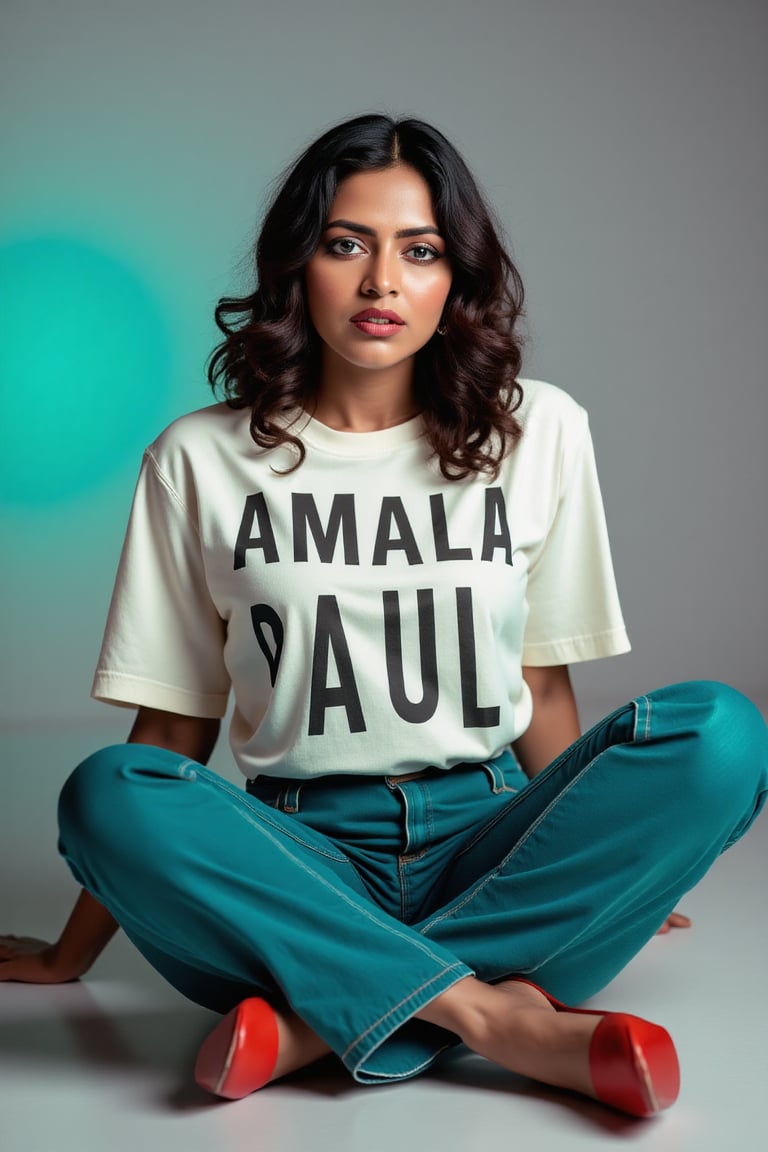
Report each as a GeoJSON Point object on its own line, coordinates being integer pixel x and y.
{"type": "Point", "coordinates": [62, 965]}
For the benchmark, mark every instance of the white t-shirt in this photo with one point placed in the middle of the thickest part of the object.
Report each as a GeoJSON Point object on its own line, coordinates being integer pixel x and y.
{"type": "Point", "coordinates": [369, 615]}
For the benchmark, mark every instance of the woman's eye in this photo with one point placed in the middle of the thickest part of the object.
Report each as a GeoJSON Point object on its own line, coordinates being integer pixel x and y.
{"type": "Point", "coordinates": [424, 253]}
{"type": "Point", "coordinates": [344, 246]}
{"type": "Point", "coordinates": [349, 246]}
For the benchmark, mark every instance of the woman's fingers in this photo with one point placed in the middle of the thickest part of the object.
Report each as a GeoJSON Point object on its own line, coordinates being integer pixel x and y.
{"type": "Point", "coordinates": [674, 920]}
{"type": "Point", "coordinates": [12, 946]}
{"type": "Point", "coordinates": [31, 961]}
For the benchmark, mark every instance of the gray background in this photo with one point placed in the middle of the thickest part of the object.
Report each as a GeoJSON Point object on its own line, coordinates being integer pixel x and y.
{"type": "Point", "coordinates": [623, 143]}
{"type": "Point", "coordinates": [623, 146]}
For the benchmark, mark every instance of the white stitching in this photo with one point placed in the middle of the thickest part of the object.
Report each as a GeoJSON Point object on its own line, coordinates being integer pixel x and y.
{"type": "Point", "coordinates": [363, 909]}
{"type": "Point", "coordinates": [470, 896]}
{"type": "Point", "coordinates": [263, 812]}
{"type": "Point", "coordinates": [396, 1007]}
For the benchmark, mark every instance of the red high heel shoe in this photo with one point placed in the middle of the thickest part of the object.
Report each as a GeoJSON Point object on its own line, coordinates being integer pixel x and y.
{"type": "Point", "coordinates": [633, 1063]}
{"type": "Point", "coordinates": [240, 1053]}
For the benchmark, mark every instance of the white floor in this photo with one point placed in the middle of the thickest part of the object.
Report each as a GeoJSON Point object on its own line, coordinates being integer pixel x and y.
{"type": "Point", "coordinates": [106, 1063]}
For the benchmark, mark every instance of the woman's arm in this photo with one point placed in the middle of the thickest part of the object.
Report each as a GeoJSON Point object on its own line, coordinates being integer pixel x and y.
{"type": "Point", "coordinates": [86, 934]}
{"type": "Point", "coordinates": [90, 926]}
{"type": "Point", "coordinates": [555, 721]}
{"type": "Point", "coordinates": [193, 736]}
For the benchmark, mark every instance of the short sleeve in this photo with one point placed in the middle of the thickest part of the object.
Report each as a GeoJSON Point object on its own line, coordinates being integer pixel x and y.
{"type": "Point", "coordinates": [574, 612]}
{"type": "Point", "coordinates": [164, 641]}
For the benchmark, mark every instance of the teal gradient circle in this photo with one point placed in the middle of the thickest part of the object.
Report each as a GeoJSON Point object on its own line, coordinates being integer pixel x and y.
{"type": "Point", "coordinates": [84, 368]}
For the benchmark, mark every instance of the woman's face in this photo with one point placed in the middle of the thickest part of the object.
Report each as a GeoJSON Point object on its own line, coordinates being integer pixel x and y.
{"type": "Point", "coordinates": [377, 284]}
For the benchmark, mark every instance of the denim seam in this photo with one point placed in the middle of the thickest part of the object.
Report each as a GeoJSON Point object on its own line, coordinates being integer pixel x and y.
{"type": "Point", "coordinates": [403, 878]}
{"type": "Point", "coordinates": [366, 911]}
{"type": "Point", "coordinates": [262, 812]}
{"type": "Point", "coordinates": [537, 781]}
{"type": "Point", "coordinates": [473, 892]}
{"type": "Point", "coordinates": [400, 1010]}
{"type": "Point", "coordinates": [646, 734]}
{"type": "Point", "coordinates": [401, 1074]}
{"type": "Point", "coordinates": [406, 820]}
{"type": "Point", "coordinates": [406, 887]}
{"type": "Point", "coordinates": [429, 815]}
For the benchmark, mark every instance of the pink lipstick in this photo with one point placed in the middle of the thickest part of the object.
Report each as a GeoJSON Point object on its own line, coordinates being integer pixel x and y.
{"type": "Point", "coordinates": [378, 322]}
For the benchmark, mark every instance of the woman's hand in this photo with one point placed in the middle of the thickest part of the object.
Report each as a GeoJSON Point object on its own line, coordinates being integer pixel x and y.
{"type": "Point", "coordinates": [674, 920]}
{"type": "Point", "coordinates": [33, 961]}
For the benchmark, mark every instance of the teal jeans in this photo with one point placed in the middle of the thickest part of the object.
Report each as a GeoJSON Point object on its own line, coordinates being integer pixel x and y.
{"type": "Point", "coordinates": [356, 900]}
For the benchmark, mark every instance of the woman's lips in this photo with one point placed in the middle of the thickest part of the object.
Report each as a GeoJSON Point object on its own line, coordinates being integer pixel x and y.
{"type": "Point", "coordinates": [375, 322]}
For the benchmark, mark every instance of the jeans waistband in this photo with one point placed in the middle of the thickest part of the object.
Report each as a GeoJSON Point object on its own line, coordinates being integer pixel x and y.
{"type": "Point", "coordinates": [289, 789]}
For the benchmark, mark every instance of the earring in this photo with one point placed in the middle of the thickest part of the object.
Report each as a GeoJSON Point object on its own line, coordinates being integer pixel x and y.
{"type": "Point", "coordinates": [441, 328]}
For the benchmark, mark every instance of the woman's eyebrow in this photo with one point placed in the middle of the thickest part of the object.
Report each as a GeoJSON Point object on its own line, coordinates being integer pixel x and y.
{"type": "Point", "coordinates": [364, 230]}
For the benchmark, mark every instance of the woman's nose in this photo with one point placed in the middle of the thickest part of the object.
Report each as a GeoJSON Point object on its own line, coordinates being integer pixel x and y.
{"type": "Point", "coordinates": [381, 276]}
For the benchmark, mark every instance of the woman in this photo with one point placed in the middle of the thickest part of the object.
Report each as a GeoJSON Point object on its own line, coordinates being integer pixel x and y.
{"type": "Point", "coordinates": [389, 548]}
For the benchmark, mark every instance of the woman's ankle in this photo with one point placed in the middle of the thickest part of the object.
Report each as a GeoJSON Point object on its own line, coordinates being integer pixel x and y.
{"type": "Point", "coordinates": [298, 1046]}
{"type": "Point", "coordinates": [515, 1026]}
{"type": "Point", "coordinates": [469, 1005]}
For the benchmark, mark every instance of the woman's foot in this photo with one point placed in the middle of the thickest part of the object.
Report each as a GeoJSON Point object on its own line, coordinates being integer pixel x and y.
{"type": "Point", "coordinates": [522, 1031]}
{"type": "Point", "coordinates": [618, 1059]}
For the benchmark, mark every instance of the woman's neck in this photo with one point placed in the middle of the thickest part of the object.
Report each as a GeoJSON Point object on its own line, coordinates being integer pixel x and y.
{"type": "Point", "coordinates": [365, 401]}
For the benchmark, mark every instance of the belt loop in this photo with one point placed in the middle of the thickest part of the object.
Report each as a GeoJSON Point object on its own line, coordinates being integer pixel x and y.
{"type": "Point", "coordinates": [289, 801]}
{"type": "Point", "coordinates": [495, 770]}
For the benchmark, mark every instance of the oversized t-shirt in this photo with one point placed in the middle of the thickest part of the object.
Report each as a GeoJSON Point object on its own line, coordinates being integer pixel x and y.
{"type": "Point", "coordinates": [367, 614]}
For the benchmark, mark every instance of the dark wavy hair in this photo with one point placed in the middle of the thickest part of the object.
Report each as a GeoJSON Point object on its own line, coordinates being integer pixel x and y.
{"type": "Point", "coordinates": [465, 382]}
